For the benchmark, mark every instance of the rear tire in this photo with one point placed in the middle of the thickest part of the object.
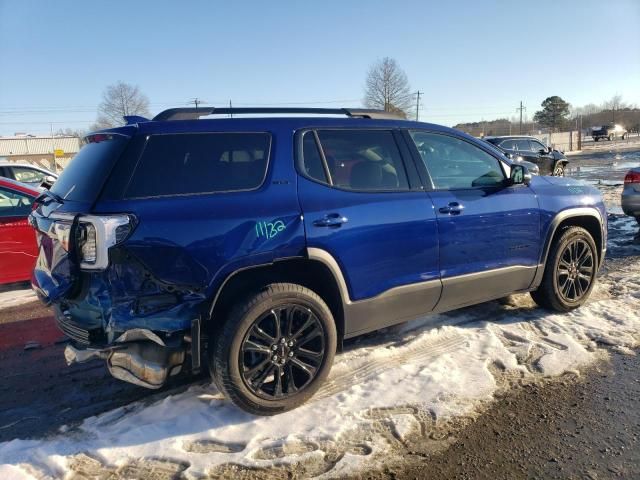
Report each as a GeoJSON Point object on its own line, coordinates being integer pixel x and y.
{"type": "Point", "coordinates": [274, 350]}
{"type": "Point", "coordinates": [570, 271]}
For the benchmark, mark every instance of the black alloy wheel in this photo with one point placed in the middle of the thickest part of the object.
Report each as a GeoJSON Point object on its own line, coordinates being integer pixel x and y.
{"type": "Point", "coordinates": [569, 272]}
{"type": "Point", "coordinates": [274, 349]}
{"type": "Point", "coordinates": [575, 270]}
{"type": "Point", "coordinates": [282, 352]}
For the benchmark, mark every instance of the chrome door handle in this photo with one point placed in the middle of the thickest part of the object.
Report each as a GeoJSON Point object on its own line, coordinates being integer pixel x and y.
{"type": "Point", "coordinates": [330, 220]}
{"type": "Point", "coordinates": [454, 208]}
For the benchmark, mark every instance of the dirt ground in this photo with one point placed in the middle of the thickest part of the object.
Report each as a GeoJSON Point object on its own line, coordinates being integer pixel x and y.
{"type": "Point", "coordinates": [571, 427]}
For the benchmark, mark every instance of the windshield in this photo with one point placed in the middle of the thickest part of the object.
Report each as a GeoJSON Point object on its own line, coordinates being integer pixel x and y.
{"type": "Point", "coordinates": [83, 178]}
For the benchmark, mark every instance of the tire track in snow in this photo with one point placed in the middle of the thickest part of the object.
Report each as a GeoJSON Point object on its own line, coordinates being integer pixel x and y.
{"type": "Point", "coordinates": [367, 367]}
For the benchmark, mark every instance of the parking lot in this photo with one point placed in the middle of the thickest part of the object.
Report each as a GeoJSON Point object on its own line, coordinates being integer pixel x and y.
{"type": "Point", "coordinates": [78, 420]}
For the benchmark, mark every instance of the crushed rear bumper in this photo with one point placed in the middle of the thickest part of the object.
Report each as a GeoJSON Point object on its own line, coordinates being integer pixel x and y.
{"type": "Point", "coordinates": [138, 356]}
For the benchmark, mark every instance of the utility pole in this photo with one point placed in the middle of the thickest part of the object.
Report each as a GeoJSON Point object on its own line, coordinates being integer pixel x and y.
{"type": "Point", "coordinates": [53, 150]}
{"type": "Point", "coordinates": [230, 108]}
{"type": "Point", "coordinates": [196, 101]}
{"type": "Point", "coordinates": [521, 108]}
{"type": "Point", "coordinates": [418, 93]}
{"type": "Point", "coordinates": [580, 132]}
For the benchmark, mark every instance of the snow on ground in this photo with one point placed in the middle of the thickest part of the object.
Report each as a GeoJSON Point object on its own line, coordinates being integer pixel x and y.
{"type": "Point", "coordinates": [383, 389]}
{"type": "Point", "coordinates": [15, 297]}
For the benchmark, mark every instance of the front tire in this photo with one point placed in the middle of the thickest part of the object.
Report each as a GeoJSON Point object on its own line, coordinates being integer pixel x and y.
{"type": "Point", "coordinates": [275, 349]}
{"type": "Point", "coordinates": [570, 271]}
{"type": "Point", "coordinates": [558, 170]}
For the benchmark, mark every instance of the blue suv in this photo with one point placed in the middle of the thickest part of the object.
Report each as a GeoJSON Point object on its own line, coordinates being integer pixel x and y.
{"type": "Point", "coordinates": [254, 246]}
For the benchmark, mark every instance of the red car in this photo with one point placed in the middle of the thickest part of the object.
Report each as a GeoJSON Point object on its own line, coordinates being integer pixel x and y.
{"type": "Point", "coordinates": [18, 249]}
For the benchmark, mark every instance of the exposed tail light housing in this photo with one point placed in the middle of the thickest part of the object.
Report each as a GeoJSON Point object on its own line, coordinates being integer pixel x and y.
{"type": "Point", "coordinates": [96, 234]}
{"type": "Point", "coordinates": [632, 177]}
{"type": "Point", "coordinates": [97, 138]}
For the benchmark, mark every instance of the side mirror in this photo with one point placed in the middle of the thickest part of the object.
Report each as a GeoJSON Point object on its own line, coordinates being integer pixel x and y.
{"type": "Point", "coordinates": [48, 182]}
{"type": "Point", "coordinates": [519, 175]}
{"type": "Point", "coordinates": [543, 151]}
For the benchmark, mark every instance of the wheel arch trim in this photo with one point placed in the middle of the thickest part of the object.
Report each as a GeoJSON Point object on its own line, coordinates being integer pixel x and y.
{"type": "Point", "coordinates": [330, 262]}
{"type": "Point", "coordinates": [557, 220]}
{"type": "Point", "coordinates": [313, 254]}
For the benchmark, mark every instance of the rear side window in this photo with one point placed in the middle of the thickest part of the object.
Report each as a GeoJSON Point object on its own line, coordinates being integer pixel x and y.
{"type": "Point", "coordinates": [84, 177]}
{"type": "Point", "coordinates": [14, 204]}
{"type": "Point", "coordinates": [193, 163]}
{"type": "Point", "coordinates": [508, 145]}
{"type": "Point", "coordinates": [363, 160]}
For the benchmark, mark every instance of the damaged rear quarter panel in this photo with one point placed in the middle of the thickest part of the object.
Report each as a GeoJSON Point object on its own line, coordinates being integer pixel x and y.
{"type": "Point", "coordinates": [183, 247]}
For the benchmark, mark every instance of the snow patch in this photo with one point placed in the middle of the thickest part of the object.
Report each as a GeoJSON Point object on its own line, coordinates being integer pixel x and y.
{"type": "Point", "coordinates": [391, 385]}
{"type": "Point", "coordinates": [15, 297]}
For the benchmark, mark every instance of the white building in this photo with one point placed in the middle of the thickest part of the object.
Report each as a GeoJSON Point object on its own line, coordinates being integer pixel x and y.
{"type": "Point", "coordinates": [49, 152]}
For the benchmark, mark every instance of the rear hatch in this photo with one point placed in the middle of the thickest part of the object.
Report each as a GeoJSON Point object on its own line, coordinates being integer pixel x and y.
{"type": "Point", "coordinates": [65, 232]}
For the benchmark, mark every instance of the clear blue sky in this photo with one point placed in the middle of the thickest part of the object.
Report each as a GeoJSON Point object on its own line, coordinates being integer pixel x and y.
{"type": "Point", "coordinates": [473, 59]}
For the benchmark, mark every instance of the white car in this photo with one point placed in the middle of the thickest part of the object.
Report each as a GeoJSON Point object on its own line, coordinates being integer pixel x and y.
{"type": "Point", "coordinates": [26, 173]}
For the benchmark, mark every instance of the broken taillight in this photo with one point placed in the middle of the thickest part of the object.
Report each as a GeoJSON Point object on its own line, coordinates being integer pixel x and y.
{"type": "Point", "coordinates": [97, 234]}
{"type": "Point", "coordinates": [87, 242]}
{"type": "Point", "coordinates": [632, 177]}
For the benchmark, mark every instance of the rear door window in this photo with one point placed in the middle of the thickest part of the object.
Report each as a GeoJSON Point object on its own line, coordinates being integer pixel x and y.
{"type": "Point", "coordinates": [363, 160]}
{"type": "Point", "coordinates": [195, 163]}
{"type": "Point", "coordinates": [523, 145]}
{"type": "Point", "coordinates": [312, 164]}
{"type": "Point", "coordinates": [508, 144]}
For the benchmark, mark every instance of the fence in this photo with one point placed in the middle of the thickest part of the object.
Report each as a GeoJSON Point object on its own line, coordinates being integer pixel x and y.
{"type": "Point", "coordinates": [563, 141]}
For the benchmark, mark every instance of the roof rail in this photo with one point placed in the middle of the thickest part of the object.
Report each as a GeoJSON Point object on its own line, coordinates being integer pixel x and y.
{"type": "Point", "coordinates": [196, 113]}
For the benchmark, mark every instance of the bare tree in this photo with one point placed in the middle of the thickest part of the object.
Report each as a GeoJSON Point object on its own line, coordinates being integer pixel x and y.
{"type": "Point", "coordinates": [387, 88]}
{"type": "Point", "coordinates": [119, 100]}
{"type": "Point", "coordinates": [70, 132]}
{"type": "Point", "coordinates": [614, 103]}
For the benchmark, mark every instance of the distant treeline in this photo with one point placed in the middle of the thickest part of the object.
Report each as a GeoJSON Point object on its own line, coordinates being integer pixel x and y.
{"type": "Point", "coordinates": [627, 117]}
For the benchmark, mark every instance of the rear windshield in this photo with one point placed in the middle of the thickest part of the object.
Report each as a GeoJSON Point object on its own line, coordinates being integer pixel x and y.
{"type": "Point", "coordinates": [193, 163]}
{"type": "Point", "coordinates": [83, 178]}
